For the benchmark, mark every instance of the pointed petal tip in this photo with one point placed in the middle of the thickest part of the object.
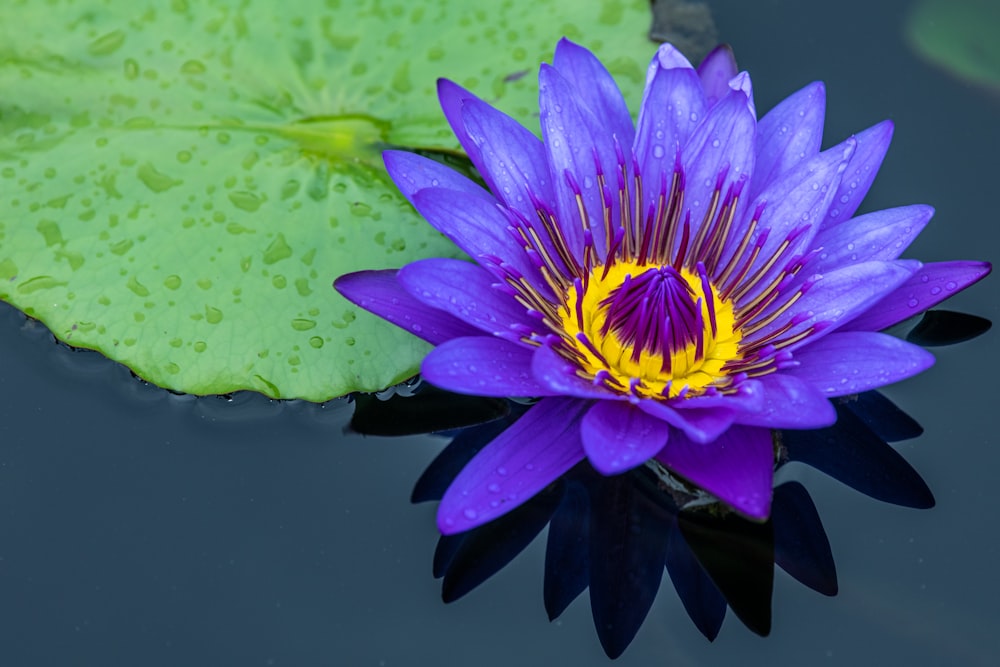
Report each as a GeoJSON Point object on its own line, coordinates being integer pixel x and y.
{"type": "Point", "coordinates": [669, 56]}
{"type": "Point", "coordinates": [352, 286]}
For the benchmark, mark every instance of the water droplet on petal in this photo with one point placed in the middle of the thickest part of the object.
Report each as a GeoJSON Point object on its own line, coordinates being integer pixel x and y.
{"type": "Point", "coordinates": [470, 514]}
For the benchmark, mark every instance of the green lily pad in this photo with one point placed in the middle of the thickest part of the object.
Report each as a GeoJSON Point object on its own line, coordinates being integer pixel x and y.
{"type": "Point", "coordinates": [181, 182]}
{"type": "Point", "coordinates": [959, 36]}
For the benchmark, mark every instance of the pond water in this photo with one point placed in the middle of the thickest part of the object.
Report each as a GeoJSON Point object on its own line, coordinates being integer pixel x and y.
{"type": "Point", "coordinates": [143, 528]}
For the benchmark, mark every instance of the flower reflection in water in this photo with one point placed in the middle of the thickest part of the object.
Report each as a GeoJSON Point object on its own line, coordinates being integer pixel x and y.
{"type": "Point", "coordinates": [615, 535]}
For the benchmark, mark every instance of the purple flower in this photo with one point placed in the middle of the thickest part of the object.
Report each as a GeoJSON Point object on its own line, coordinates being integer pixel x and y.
{"type": "Point", "coordinates": [670, 289]}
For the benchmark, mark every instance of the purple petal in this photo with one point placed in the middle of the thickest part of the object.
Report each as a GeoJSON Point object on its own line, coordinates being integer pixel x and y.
{"type": "Point", "coordinates": [577, 145]}
{"type": "Point", "coordinates": [737, 467]}
{"type": "Point", "coordinates": [837, 297]}
{"type": "Point", "coordinates": [872, 145]}
{"type": "Point", "coordinates": [412, 173]}
{"type": "Point", "coordinates": [535, 451]}
{"type": "Point", "coordinates": [452, 98]}
{"type": "Point", "coordinates": [881, 235]}
{"type": "Point", "coordinates": [715, 72]}
{"type": "Point", "coordinates": [512, 156]}
{"type": "Point", "coordinates": [931, 284]}
{"type": "Point", "coordinates": [790, 403]}
{"type": "Point", "coordinates": [476, 225]}
{"type": "Point", "coordinates": [379, 292]}
{"type": "Point", "coordinates": [618, 436]}
{"type": "Point", "coordinates": [559, 376]}
{"type": "Point", "coordinates": [799, 198]}
{"type": "Point", "coordinates": [673, 105]}
{"type": "Point", "coordinates": [596, 88]}
{"type": "Point", "coordinates": [855, 361]}
{"type": "Point", "coordinates": [723, 145]}
{"type": "Point", "coordinates": [741, 82]}
{"type": "Point", "coordinates": [787, 134]}
{"type": "Point", "coordinates": [698, 424]}
{"type": "Point", "coordinates": [748, 397]}
{"type": "Point", "coordinates": [464, 290]}
{"type": "Point", "coordinates": [483, 366]}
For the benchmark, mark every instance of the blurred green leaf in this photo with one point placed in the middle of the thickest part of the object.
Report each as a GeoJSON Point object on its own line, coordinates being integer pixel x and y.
{"type": "Point", "coordinates": [960, 36]}
{"type": "Point", "coordinates": [181, 182]}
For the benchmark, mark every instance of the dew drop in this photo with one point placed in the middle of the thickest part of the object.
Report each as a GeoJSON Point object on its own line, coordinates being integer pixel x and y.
{"type": "Point", "coordinates": [658, 151]}
{"type": "Point", "coordinates": [501, 471]}
{"type": "Point", "coordinates": [950, 285]}
{"type": "Point", "coordinates": [493, 488]}
{"type": "Point", "coordinates": [912, 303]}
{"type": "Point", "coordinates": [470, 514]}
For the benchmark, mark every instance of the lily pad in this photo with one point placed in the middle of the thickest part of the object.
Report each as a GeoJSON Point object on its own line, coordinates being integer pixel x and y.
{"type": "Point", "coordinates": [181, 182]}
{"type": "Point", "coordinates": [959, 36]}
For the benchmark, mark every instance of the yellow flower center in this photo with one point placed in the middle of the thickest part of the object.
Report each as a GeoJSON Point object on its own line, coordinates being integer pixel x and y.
{"type": "Point", "coordinates": [653, 331]}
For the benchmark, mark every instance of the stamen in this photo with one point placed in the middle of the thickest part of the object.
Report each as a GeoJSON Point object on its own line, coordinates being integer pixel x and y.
{"type": "Point", "coordinates": [757, 326]}
{"type": "Point", "coordinates": [585, 341]}
{"type": "Point", "coordinates": [744, 243]}
{"type": "Point", "coordinates": [709, 217]}
{"type": "Point", "coordinates": [682, 250]}
{"type": "Point", "coordinates": [706, 288]}
{"type": "Point", "coordinates": [712, 255]}
{"type": "Point", "coordinates": [748, 285]}
{"type": "Point", "coordinates": [578, 286]}
{"type": "Point", "coordinates": [737, 281]}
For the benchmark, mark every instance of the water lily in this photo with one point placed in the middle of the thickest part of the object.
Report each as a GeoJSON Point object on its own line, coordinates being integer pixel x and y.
{"type": "Point", "coordinates": [673, 289]}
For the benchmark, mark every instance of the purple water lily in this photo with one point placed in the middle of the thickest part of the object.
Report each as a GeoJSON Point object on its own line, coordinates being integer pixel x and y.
{"type": "Point", "coordinates": [672, 289]}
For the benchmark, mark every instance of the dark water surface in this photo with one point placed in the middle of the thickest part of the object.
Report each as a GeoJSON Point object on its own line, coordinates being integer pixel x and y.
{"type": "Point", "coordinates": [142, 528]}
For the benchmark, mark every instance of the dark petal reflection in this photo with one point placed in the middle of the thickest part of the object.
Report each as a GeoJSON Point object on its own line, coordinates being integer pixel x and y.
{"type": "Point", "coordinates": [484, 551]}
{"type": "Point", "coordinates": [615, 535]}
{"type": "Point", "coordinates": [702, 600]}
{"type": "Point", "coordinates": [739, 557]}
{"type": "Point", "coordinates": [801, 547]}
{"type": "Point", "coordinates": [882, 416]}
{"type": "Point", "coordinates": [854, 454]}
{"type": "Point", "coordinates": [947, 327]}
{"type": "Point", "coordinates": [567, 551]}
{"type": "Point", "coordinates": [628, 547]}
{"type": "Point", "coordinates": [427, 410]}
